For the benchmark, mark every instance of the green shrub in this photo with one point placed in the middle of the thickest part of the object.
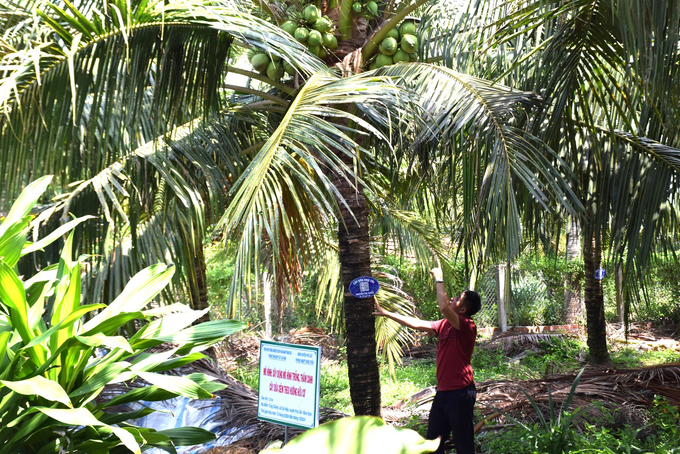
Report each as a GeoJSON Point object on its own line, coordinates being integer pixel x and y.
{"type": "Point", "coordinates": [49, 373]}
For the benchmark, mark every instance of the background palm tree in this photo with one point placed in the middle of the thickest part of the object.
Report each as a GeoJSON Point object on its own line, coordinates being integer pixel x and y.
{"type": "Point", "coordinates": [607, 72]}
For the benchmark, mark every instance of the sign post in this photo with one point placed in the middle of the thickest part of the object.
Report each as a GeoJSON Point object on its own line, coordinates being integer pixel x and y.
{"type": "Point", "coordinates": [289, 384]}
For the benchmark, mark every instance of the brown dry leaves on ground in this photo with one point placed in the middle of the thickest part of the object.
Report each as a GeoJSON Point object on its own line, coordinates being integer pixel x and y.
{"type": "Point", "coordinates": [628, 390]}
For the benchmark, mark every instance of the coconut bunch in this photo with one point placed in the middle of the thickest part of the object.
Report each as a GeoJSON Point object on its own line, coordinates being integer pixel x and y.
{"type": "Point", "coordinates": [400, 44]}
{"type": "Point", "coordinates": [307, 26]}
{"type": "Point", "coordinates": [312, 29]}
{"type": "Point", "coordinates": [368, 9]}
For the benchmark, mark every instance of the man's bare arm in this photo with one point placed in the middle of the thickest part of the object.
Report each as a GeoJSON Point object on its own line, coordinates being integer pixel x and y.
{"type": "Point", "coordinates": [405, 320]}
{"type": "Point", "coordinates": [443, 299]}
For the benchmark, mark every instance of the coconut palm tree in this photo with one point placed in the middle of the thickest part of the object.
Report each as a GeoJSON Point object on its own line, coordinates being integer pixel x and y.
{"type": "Point", "coordinates": [607, 71]}
{"type": "Point", "coordinates": [136, 108]}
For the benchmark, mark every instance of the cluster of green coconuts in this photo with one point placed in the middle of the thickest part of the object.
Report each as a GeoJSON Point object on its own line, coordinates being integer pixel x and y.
{"type": "Point", "coordinates": [368, 9]}
{"type": "Point", "coordinates": [309, 28]}
{"type": "Point", "coordinates": [316, 32]}
{"type": "Point", "coordinates": [400, 44]}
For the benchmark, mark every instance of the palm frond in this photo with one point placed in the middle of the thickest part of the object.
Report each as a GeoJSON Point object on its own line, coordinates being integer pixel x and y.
{"type": "Point", "coordinates": [286, 196]}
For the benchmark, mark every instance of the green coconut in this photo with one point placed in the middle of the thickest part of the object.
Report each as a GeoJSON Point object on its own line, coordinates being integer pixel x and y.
{"type": "Point", "coordinates": [408, 28]}
{"type": "Point", "coordinates": [373, 65]}
{"type": "Point", "coordinates": [409, 43]}
{"type": "Point", "coordinates": [314, 49]}
{"type": "Point", "coordinates": [356, 6]}
{"type": "Point", "coordinates": [372, 7]}
{"type": "Point", "coordinates": [251, 53]}
{"type": "Point", "coordinates": [327, 39]}
{"type": "Point", "coordinates": [289, 26]}
{"type": "Point", "coordinates": [400, 55]}
{"type": "Point", "coordinates": [314, 38]}
{"type": "Point", "coordinates": [333, 43]}
{"type": "Point", "coordinates": [260, 62]}
{"type": "Point", "coordinates": [323, 24]}
{"type": "Point", "coordinates": [288, 68]}
{"type": "Point", "coordinates": [322, 53]}
{"type": "Point", "coordinates": [301, 34]}
{"type": "Point", "coordinates": [311, 13]}
{"type": "Point", "coordinates": [275, 70]}
{"type": "Point", "coordinates": [413, 56]}
{"type": "Point", "coordinates": [383, 60]}
{"type": "Point", "coordinates": [393, 33]}
{"type": "Point", "coordinates": [388, 46]}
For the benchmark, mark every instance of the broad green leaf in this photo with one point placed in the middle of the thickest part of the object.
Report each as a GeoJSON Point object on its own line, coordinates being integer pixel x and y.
{"type": "Point", "coordinates": [180, 385]}
{"type": "Point", "coordinates": [111, 325]}
{"type": "Point", "coordinates": [4, 340]}
{"type": "Point", "coordinates": [67, 301]}
{"type": "Point", "coordinates": [171, 323]}
{"type": "Point", "coordinates": [151, 437]}
{"type": "Point", "coordinates": [47, 274]}
{"type": "Point", "coordinates": [116, 418]}
{"type": "Point", "coordinates": [148, 393]}
{"type": "Point", "coordinates": [72, 416]}
{"type": "Point", "coordinates": [215, 329]}
{"type": "Point", "coordinates": [109, 341]}
{"type": "Point", "coordinates": [144, 286]}
{"type": "Point", "coordinates": [188, 436]}
{"type": "Point", "coordinates": [83, 417]}
{"type": "Point", "coordinates": [162, 311]}
{"type": "Point", "coordinates": [101, 378]}
{"type": "Point", "coordinates": [25, 202]}
{"type": "Point", "coordinates": [72, 318]}
{"type": "Point", "coordinates": [11, 245]}
{"type": "Point", "coordinates": [358, 435]}
{"type": "Point", "coordinates": [40, 386]}
{"type": "Point", "coordinates": [12, 295]}
{"type": "Point", "coordinates": [174, 363]}
{"type": "Point", "coordinates": [54, 235]}
{"type": "Point", "coordinates": [147, 361]}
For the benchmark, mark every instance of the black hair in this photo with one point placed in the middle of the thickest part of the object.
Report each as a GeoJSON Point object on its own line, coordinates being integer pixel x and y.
{"type": "Point", "coordinates": [473, 302]}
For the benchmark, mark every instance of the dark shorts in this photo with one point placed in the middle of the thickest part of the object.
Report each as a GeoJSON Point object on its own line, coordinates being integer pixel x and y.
{"type": "Point", "coordinates": [453, 411]}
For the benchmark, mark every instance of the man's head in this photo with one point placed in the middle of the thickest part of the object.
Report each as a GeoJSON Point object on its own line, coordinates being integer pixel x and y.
{"type": "Point", "coordinates": [468, 303]}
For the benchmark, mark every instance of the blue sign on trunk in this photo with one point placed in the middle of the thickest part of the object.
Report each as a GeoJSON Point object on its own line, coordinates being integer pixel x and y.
{"type": "Point", "coordinates": [364, 287]}
{"type": "Point", "coordinates": [599, 274]}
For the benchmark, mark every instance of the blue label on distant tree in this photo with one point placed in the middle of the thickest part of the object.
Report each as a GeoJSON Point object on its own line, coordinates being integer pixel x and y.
{"type": "Point", "coordinates": [364, 287]}
{"type": "Point", "coordinates": [599, 273]}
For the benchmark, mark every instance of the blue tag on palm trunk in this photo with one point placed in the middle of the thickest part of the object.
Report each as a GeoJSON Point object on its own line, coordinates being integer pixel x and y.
{"type": "Point", "coordinates": [364, 287]}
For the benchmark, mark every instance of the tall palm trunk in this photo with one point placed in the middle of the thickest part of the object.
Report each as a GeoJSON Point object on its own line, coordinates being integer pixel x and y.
{"type": "Point", "coordinates": [594, 302]}
{"type": "Point", "coordinates": [199, 294]}
{"type": "Point", "coordinates": [572, 294]}
{"type": "Point", "coordinates": [355, 260]}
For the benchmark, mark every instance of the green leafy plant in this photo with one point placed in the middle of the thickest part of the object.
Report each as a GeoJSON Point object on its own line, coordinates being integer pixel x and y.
{"type": "Point", "coordinates": [49, 373]}
{"type": "Point", "coordinates": [358, 435]}
{"type": "Point", "coordinates": [555, 435]}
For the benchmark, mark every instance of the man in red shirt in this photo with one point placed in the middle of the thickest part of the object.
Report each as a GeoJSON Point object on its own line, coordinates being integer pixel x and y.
{"type": "Point", "coordinates": [452, 408]}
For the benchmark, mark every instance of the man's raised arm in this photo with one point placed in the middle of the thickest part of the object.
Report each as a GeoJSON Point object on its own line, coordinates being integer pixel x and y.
{"type": "Point", "coordinates": [405, 320]}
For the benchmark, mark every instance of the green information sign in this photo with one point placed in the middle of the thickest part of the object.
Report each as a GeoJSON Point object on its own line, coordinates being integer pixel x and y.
{"type": "Point", "coordinates": [289, 384]}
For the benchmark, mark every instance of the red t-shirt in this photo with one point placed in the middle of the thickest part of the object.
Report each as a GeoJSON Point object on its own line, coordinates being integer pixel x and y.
{"type": "Point", "coordinates": [454, 352]}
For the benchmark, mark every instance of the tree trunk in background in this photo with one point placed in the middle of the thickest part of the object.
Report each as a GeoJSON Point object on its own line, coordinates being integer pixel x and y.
{"type": "Point", "coordinates": [572, 294]}
{"type": "Point", "coordinates": [199, 296]}
{"type": "Point", "coordinates": [355, 260]}
{"type": "Point", "coordinates": [618, 284]}
{"type": "Point", "coordinates": [594, 302]}
{"type": "Point", "coordinates": [280, 303]}
{"type": "Point", "coordinates": [267, 294]}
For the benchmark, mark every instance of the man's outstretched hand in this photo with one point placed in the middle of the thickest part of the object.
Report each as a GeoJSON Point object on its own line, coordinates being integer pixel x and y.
{"type": "Point", "coordinates": [437, 274]}
{"type": "Point", "coordinates": [379, 310]}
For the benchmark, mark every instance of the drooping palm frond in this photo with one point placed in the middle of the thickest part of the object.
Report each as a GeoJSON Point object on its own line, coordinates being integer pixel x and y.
{"type": "Point", "coordinates": [291, 172]}
{"type": "Point", "coordinates": [93, 105]}
{"type": "Point", "coordinates": [472, 135]}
